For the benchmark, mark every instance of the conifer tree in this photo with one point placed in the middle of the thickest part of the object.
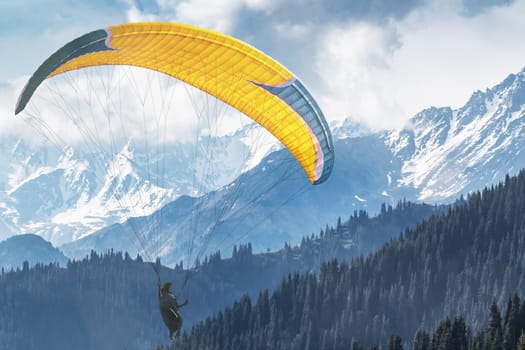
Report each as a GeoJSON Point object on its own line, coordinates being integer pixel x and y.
{"type": "Point", "coordinates": [459, 334]}
{"type": "Point", "coordinates": [395, 343]}
{"type": "Point", "coordinates": [512, 327]}
{"type": "Point", "coordinates": [521, 342]}
{"type": "Point", "coordinates": [421, 341]}
{"type": "Point", "coordinates": [494, 331]}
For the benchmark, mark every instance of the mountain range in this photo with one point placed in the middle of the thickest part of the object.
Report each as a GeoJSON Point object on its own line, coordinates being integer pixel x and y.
{"type": "Point", "coordinates": [440, 154]}
{"type": "Point", "coordinates": [464, 262]}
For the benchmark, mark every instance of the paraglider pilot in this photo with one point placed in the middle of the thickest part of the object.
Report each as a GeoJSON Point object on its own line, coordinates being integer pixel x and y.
{"type": "Point", "coordinates": [169, 308]}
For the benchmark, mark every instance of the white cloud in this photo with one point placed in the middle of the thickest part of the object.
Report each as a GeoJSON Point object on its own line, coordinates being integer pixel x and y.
{"type": "Point", "coordinates": [352, 61]}
{"type": "Point", "coordinates": [102, 104]}
{"type": "Point", "coordinates": [446, 57]}
{"type": "Point", "coordinates": [293, 31]}
{"type": "Point", "coordinates": [262, 5]}
{"type": "Point", "coordinates": [217, 15]}
{"type": "Point", "coordinates": [377, 72]}
{"type": "Point", "coordinates": [383, 75]}
{"type": "Point", "coordinates": [134, 14]}
{"type": "Point", "coordinates": [12, 124]}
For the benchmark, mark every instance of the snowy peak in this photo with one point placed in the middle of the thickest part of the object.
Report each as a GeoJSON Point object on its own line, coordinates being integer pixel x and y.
{"type": "Point", "coordinates": [431, 127]}
{"type": "Point", "coordinates": [512, 90]}
{"type": "Point", "coordinates": [121, 191]}
{"type": "Point", "coordinates": [475, 106]}
{"type": "Point", "coordinates": [447, 151]}
{"type": "Point", "coordinates": [67, 194]}
{"type": "Point", "coordinates": [342, 129]}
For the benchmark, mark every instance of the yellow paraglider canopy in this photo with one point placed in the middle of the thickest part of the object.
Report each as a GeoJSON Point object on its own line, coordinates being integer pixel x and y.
{"type": "Point", "coordinates": [227, 68]}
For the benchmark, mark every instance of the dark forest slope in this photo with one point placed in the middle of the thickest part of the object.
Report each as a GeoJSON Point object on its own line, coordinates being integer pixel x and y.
{"type": "Point", "coordinates": [451, 264]}
{"type": "Point", "coordinates": [109, 301]}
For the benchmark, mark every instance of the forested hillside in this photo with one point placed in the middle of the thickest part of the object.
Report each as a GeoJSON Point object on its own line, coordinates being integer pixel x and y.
{"type": "Point", "coordinates": [504, 331]}
{"type": "Point", "coordinates": [108, 301]}
{"type": "Point", "coordinates": [449, 265]}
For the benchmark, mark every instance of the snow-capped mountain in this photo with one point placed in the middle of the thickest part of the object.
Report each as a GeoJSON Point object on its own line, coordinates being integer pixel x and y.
{"type": "Point", "coordinates": [440, 154]}
{"type": "Point", "coordinates": [265, 206]}
{"type": "Point", "coordinates": [64, 195]}
{"type": "Point", "coordinates": [446, 152]}
{"type": "Point", "coordinates": [68, 195]}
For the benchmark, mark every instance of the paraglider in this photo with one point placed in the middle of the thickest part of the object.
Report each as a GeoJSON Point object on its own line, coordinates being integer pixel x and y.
{"type": "Point", "coordinates": [169, 308]}
{"type": "Point", "coordinates": [225, 68]}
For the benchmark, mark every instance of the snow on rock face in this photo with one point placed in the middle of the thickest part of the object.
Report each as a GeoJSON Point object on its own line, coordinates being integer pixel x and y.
{"type": "Point", "coordinates": [64, 195]}
{"type": "Point", "coordinates": [446, 152]}
{"type": "Point", "coordinates": [348, 128]}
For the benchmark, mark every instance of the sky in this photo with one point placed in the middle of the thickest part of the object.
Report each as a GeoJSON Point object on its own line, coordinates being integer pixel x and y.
{"type": "Point", "coordinates": [378, 62]}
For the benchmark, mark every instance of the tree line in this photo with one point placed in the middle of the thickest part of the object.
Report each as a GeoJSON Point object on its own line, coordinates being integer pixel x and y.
{"type": "Point", "coordinates": [455, 264]}
{"type": "Point", "coordinates": [108, 299]}
{"type": "Point", "coordinates": [502, 331]}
